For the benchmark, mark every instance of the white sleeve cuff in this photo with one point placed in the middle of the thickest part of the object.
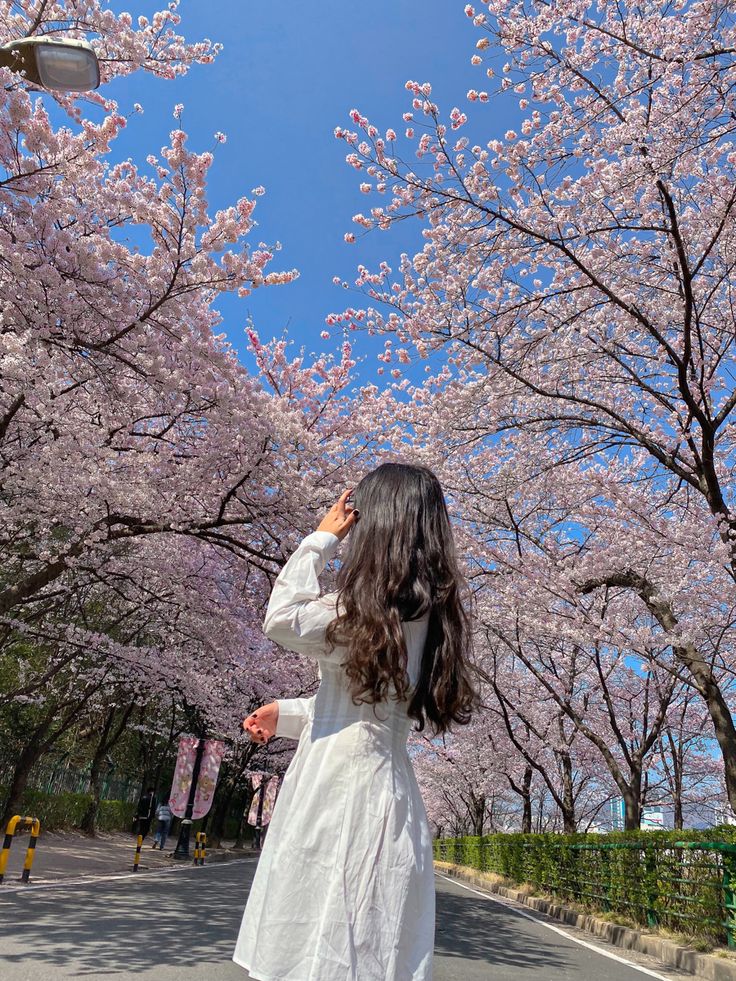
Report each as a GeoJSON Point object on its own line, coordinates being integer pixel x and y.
{"type": "Point", "coordinates": [294, 713]}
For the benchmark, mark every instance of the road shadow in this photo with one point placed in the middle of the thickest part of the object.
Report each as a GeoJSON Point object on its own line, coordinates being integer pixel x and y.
{"type": "Point", "coordinates": [133, 926]}
{"type": "Point", "coordinates": [473, 928]}
{"type": "Point", "coordinates": [181, 926]}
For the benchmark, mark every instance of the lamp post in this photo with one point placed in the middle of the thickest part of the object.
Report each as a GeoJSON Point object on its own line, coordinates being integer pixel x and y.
{"type": "Point", "coordinates": [259, 815]}
{"type": "Point", "coordinates": [182, 844]}
{"type": "Point", "coordinates": [66, 65]}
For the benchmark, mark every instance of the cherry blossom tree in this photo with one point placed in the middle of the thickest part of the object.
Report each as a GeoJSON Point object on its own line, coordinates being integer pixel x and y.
{"type": "Point", "coordinates": [572, 294]}
{"type": "Point", "coordinates": [463, 789]}
{"type": "Point", "coordinates": [541, 733]}
{"type": "Point", "coordinates": [150, 487]}
{"type": "Point", "coordinates": [689, 773]}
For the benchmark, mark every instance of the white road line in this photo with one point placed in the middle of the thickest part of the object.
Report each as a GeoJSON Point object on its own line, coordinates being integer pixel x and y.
{"type": "Point", "coordinates": [81, 881]}
{"type": "Point", "coordinates": [583, 943]}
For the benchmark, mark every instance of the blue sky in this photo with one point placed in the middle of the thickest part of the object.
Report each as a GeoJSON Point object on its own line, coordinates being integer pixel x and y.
{"type": "Point", "coordinates": [287, 76]}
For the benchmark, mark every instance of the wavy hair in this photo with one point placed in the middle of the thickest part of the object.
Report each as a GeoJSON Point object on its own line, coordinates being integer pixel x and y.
{"type": "Point", "coordinates": [399, 565]}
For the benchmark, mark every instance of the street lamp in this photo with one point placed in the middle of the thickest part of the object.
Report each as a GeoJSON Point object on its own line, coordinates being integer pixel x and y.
{"type": "Point", "coordinates": [67, 65]}
{"type": "Point", "coordinates": [182, 842]}
{"type": "Point", "coordinates": [259, 816]}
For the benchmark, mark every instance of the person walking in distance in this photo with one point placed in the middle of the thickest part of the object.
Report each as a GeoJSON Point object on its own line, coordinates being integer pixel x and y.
{"type": "Point", "coordinates": [145, 811]}
{"type": "Point", "coordinates": [344, 886]}
{"type": "Point", "coordinates": [164, 817]}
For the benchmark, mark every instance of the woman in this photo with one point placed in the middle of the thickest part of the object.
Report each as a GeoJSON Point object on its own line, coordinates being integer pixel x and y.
{"type": "Point", "coordinates": [344, 887]}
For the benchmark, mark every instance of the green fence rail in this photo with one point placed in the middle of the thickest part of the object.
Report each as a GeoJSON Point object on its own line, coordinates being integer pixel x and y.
{"type": "Point", "coordinates": [685, 886]}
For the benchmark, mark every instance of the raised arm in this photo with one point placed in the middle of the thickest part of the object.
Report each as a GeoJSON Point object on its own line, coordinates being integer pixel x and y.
{"type": "Point", "coordinates": [297, 615]}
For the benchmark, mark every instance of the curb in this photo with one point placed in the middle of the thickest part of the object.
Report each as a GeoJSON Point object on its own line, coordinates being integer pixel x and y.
{"type": "Point", "coordinates": [668, 953]}
{"type": "Point", "coordinates": [228, 854]}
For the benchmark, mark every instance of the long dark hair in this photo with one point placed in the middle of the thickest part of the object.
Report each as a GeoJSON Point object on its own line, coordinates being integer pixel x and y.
{"type": "Point", "coordinates": [400, 564]}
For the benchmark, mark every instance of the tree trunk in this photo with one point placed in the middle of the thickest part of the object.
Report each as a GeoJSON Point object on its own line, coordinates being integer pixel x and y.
{"type": "Point", "coordinates": [526, 796]}
{"type": "Point", "coordinates": [632, 805]}
{"type": "Point", "coordinates": [107, 740]}
{"type": "Point", "coordinates": [480, 817]}
{"type": "Point", "coordinates": [220, 813]}
{"type": "Point", "coordinates": [678, 766]}
{"type": "Point", "coordinates": [678, 820]}
{"type": "Point", "coordinates": [89, 818]}
{"type": "Point", "coordinates": [569, 822]}
{"type": "Point", "coordinates": [725, 733]}
{"type": "Point", "coordinates": [19, 781]}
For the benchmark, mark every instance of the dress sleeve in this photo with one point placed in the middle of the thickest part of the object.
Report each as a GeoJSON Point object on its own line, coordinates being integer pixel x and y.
{"type": "Point", "coordinates": [297, 615]}
{"type": "Point", "coordinates": [293, 716]}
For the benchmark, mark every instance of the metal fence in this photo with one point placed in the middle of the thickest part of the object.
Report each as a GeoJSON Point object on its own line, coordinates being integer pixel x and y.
{"type": "Point", "coordinates": [50, 779]}
{"type": "Point", "coordinates": [685, 886]}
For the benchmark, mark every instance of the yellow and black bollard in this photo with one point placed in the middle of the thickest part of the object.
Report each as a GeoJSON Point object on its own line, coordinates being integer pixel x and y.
{"type": "Point", "coordinates": [137, 858]}
{"type": "Point", "coordinates": [14, 824]}
{"type": "Point", "coordinates": [200, 848]}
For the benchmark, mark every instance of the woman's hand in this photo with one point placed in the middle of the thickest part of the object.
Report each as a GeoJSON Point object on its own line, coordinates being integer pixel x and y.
{"type": "Point", "coordinates": [341, 517]}
{"type": "Point", "coordinates": [261, 724]}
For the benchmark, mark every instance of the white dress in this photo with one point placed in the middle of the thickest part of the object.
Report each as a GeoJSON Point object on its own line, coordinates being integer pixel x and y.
{"type": "Point", "coordinates": [344, 887]}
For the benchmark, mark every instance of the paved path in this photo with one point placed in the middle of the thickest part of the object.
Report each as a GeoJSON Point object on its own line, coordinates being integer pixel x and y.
{"type": "Point", "coordinates": [69, 854]}
{"type": "Point", "coordinates": [180, 925]}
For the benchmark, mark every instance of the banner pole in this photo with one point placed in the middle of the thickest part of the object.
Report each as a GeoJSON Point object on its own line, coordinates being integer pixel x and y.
{"type": "Point", "coordinates": [182, 844]}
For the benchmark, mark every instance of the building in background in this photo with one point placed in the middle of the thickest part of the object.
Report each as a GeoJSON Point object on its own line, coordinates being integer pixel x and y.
{"type": "Point", "coordinates": [658, 817]}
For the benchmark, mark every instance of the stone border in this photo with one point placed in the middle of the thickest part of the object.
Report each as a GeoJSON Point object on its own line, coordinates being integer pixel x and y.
{"type": "Point", "coordinates": [668, 953]}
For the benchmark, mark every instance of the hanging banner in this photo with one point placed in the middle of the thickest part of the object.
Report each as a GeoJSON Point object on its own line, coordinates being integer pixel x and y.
{"type": "Point", "coordinates": [214, 750]}
{"type": "Point", "coordinates": [209, 770]}
{"type": "Point", "coordinates": [269, 800]}
{"type": "Point", "coordinates": [183, 775]}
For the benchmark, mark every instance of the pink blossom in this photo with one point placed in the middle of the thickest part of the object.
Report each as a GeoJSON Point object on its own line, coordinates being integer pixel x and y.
{"type": "Point", "coordinates": [458, 118]}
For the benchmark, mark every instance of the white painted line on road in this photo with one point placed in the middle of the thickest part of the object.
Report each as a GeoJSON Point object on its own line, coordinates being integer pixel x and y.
{"type": "Point", "coordinates": [140, 876]}
{"type": "Point", "coordinates": [583, 943]}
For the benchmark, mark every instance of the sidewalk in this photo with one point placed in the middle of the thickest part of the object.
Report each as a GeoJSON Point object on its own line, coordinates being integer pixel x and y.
{"type": "Point", "coordinates": [64, 855]}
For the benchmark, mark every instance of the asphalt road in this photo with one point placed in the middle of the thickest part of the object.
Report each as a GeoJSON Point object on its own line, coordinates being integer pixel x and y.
{"type": "Point", "coordinates": [181, 924]}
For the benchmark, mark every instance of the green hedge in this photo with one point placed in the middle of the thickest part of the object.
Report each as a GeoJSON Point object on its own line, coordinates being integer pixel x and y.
{"type": "Point", "coordinates": [641, 874]}
{"type": "Point", "coordinates": [58, 812]}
